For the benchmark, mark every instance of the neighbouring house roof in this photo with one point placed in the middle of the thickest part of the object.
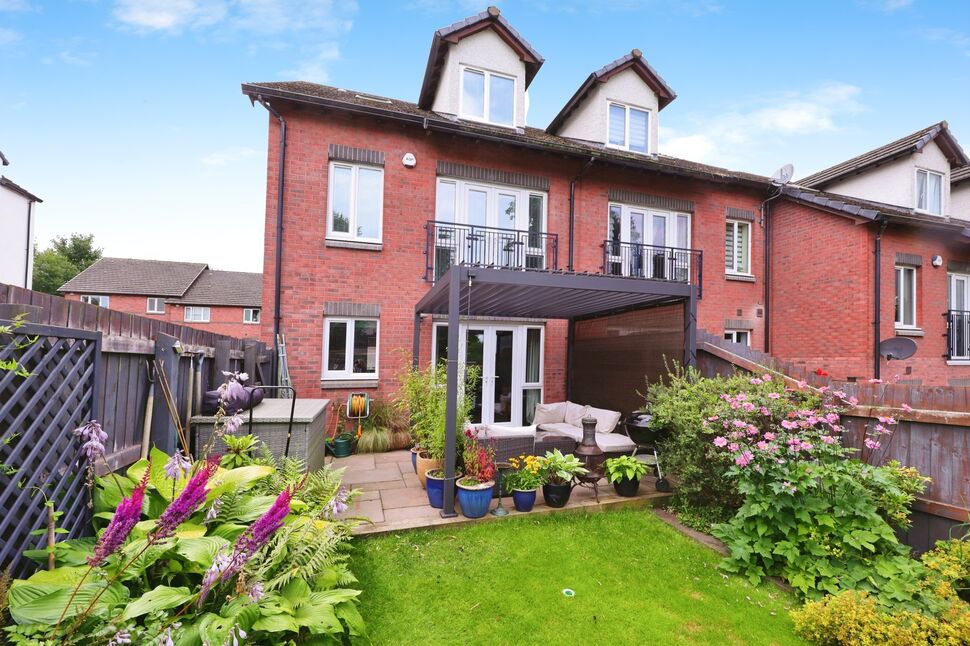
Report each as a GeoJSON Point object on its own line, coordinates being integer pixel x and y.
{"type": "Point", "coordinates": [959, 175]}
{"type": "Point", "coordinates": [868, 210]}
{"type": "Point", "coordinates": [491, 18]}
{"type": "Point", "coordinates": [915, 142]}
{"type": "Point", "coordinates": [227, 288]}
{"type": "Point", "coordinates": [20, 190]}
{"type": "Point", "coordinates": [328, 97]}
{"type": "Point", "coordinates": [134, 276]}
{"type": "Point", "coordinates": [635, 61]}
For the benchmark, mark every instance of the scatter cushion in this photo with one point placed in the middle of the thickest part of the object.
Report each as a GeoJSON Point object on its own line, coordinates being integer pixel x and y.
{"type": "Point", "coordinates": [562, 428]}
{"type": "Point", "coordinates": [614, 443]}
{"type": "Point", "coordinates": [575, 413]}
{"type": "Point", "coordinates": [550, 413]}
{"type": "Point", "coordinates": [606, 420]}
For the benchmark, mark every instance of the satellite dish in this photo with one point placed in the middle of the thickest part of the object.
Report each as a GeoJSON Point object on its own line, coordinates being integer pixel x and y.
{"type": "Point", "coordinates": [783, 175]}
{"type": "Point", "coordinates": [898, 347]}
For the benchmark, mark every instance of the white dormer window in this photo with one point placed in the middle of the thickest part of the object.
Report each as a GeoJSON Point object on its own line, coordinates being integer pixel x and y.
{"type": "Point", "coordinates": [629, 128]}
{"type": "Point", "coordinates": [929, 191]}
{"type": "Point", "coordinates": [486, 96]}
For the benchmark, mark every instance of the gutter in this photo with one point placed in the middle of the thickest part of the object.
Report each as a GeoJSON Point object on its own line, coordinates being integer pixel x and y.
{"type": "Point", "coordinates": [572, 207]}
{"type": "Point", "coordinates": [877, 298]}
{"type": "Point", "coordinates": [279, 232]}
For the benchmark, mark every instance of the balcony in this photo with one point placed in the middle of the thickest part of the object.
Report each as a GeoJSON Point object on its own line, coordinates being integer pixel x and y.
{"type": "Point", "coordinates": [449, 243]}
{"type": "Point", "coordinates": [669, 264]}
{"type": "Point", "coordinates": [957, 335]}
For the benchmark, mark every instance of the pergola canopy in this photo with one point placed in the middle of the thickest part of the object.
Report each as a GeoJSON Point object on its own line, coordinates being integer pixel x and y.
{"type": "Point", "coordinates": [520, 293]}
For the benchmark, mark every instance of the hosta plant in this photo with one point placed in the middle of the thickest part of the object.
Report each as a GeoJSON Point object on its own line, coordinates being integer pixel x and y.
{"type": "Point", "coordinates": [624, 467]}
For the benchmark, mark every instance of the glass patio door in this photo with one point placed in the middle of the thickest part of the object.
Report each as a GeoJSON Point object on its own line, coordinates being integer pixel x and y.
{"type": "Point", "coordinates": [960, 320]}
{"type": "Point", "coordinates": [509, 358]}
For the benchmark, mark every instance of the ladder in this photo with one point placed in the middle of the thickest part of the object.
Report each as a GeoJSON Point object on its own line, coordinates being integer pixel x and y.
{"type": "Point", "coordinates": [283, 374]}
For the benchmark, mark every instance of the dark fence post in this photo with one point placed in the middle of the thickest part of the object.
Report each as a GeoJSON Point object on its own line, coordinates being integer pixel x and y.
{"type": "Point", "coordinates": [249, 359]}
{"type": "Point", "coordinates": [163, 433]}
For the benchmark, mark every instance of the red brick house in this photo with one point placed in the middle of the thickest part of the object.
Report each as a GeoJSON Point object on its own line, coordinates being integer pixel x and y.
{"type": "Point", "coordinates": [224, 302]}
{"type": "Point", "coordinates": [877, 248]}
{"type": "Point", "coordinates": [380, 196]}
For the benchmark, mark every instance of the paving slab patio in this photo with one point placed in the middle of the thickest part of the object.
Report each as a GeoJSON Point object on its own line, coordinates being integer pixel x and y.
{"type": "Point", "coordinates": [392, 499]}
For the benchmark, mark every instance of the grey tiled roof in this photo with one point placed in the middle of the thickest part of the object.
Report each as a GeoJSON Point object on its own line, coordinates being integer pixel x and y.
{"type": "Point", "coordinates": [133, 276]}
{"type": "Point", "coordinates": [907, 145]}
{"type": "Point", "coordinates": [487, 15]}
{"type": "Point", "coordinates": [230, 288]}
{"type": "Point", "coordinates": [960, 174]}
{"type": "Point", "coordinates": [870, 210]}
{"type": "Point", "coordinates": [326, 96]}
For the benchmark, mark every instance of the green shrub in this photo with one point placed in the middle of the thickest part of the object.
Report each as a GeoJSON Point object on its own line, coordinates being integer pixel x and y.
{"type": "Point", "coordinates": [681, 406]}
{"type": "Point", "coordinates": [373, 439]}
{"type": "Point", "coordinates": [423, 397]}
{"type": "Point", "coordinates": [853, 618]}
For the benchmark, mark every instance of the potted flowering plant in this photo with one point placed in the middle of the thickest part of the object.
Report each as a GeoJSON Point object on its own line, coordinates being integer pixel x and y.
{"type": "Point", "coordinates": [558, 471]}
{"type": "Point", "coordinates": [625, 472]}
{"type": "Point", "coordinates": [523, 481]}
{"type": "Point", "coordinates": [475, 488]}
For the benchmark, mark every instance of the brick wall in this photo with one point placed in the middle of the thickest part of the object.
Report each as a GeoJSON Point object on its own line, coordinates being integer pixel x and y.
{"type": "Point", "coordinates": [222, 320]}
{"type": "Point", "coordinates": [822, 305]}
{"type": "Point", "coordinates": [393, 278]}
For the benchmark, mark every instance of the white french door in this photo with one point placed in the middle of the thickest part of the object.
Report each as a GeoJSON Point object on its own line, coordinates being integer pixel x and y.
{"type": "Point", "coordinates": [959, 318]}
{"type": "Point", "coordinates": [509, 358]}
{"type": "Point", "coordinates": [647, 243]}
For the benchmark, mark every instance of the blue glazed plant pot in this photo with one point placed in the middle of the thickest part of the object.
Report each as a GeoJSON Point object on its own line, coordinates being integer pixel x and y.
{"type": "Point", "coordinates": [435, 486]}
{"type": "Point", "coordinates": [414, 459]}
{"type": "Point", "coordinates": [475, 500]}
{"type": "Point", "coordinates": [523, 500]}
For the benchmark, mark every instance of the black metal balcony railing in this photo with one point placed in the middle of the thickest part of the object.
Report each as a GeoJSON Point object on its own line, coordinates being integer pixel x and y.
{"type": "Point", "coordinates": [957, 334]}
{"type": "Point", "coordinates": [673, 264]}
{"type": "Point", "coordinates": [450, 244]}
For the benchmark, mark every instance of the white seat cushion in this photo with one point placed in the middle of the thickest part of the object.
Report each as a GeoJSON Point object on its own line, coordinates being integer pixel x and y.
{"type": "Point", "coordinates": [563, 428]}
{"type": "Point", "coordinates": [550, 413]}
{"type": "Point", "coordinates": [496, 431]}
{"type": "Point", "coordinates": [614, 442]}
{"type": "Point", "coordinates": [606, 420]}
{"type": "Point", "coordinates": [575, 414]}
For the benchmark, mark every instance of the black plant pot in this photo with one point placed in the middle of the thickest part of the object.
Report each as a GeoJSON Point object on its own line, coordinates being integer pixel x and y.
{"type": "Point", "coordinates": [627, 488]}
{"type": "Point", "coordinates": [556, 495]}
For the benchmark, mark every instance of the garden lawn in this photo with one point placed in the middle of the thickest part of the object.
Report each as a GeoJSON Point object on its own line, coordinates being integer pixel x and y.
{"type": "Point", "coordinates": [636, 580]}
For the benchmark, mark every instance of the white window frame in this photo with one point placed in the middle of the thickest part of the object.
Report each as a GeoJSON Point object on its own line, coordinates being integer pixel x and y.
{"type": "Point", "coordinates": [248, 317]}
{"type": "Point", "coordinates": [96, 299]}
{"type": "Point", "coordinates": [929, 172]}
{"type": "Point", "coordinates": [734, 336]}
{"type": "Point", "coordinates": [352, 216]}
{"type": "Point", "coordinates": [348, 373]}
{"type": "Point", "coordinates": [154, 305]}
{"type": "Point", "coordinates": [733, 269]}
{"type": "Point", "coordinates": [626, 126]}
{"type": "Point", "coordinates": [899, 324]}
{"type": "Point", "coordinates": [485, 96]}
{"type": "Point", "coordinates": [204, 310]}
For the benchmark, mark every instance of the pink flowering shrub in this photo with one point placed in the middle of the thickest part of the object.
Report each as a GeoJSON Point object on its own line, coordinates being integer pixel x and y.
{"type": "Point", "coordinates": [812, 512]}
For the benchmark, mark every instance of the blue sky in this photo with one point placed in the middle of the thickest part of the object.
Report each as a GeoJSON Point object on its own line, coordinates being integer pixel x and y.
{"type": "Point", "coordinates": [126, 116]}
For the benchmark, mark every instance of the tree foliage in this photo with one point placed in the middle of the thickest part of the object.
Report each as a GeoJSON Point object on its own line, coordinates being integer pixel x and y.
{"type": "Point", "coordinates": [63, 260]}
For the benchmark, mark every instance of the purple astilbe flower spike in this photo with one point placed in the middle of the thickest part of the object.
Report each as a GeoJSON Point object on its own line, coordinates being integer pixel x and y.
{"type": "Point", "coordinates": [178, 466]}
{"type": "Point", "coordinates": [187, 502]}
{"type": "Point", "coordinates": [125, 517]}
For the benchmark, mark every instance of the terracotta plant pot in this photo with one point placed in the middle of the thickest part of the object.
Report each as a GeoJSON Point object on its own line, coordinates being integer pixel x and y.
{"type": "Point", "coordinates": [423, 463]}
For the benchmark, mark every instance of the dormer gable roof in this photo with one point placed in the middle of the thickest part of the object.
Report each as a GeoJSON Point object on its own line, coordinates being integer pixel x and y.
{"type": "Point", "coordinates": [913, 143]}
{"type": "Point", "coordinates": [491, 18]}
{"type": "Point", "coordinates": [635, 61]}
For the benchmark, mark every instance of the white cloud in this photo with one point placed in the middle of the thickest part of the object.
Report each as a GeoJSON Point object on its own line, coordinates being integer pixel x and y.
{"type": "Point", "coordinates": [8, 37]}
{"type": "Point", "coordinates": [315, 64]}
{"type": "Point", "coordinates": [15, 5]}
{"type": "Point", "coordinates": [723, 138]}
{"type": "Point", "coordinates": [894, 5]}
{"type": "Point", "coordinates": [169, 15]}
{"type": "Point", "coordinates": [229, 155]}
{"type": "Point", "coordinates": [949, 37]}
{"type": "Point", "coordinates": [70, 57]}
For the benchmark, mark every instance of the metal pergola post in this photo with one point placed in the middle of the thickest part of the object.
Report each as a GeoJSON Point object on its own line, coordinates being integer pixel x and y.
{"type": "Point", "coordinates": [451, 410]}
{"type": "Point", "coordinates": [690, 329]}
{"type": "Point", "coordinates": [416, 341]}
